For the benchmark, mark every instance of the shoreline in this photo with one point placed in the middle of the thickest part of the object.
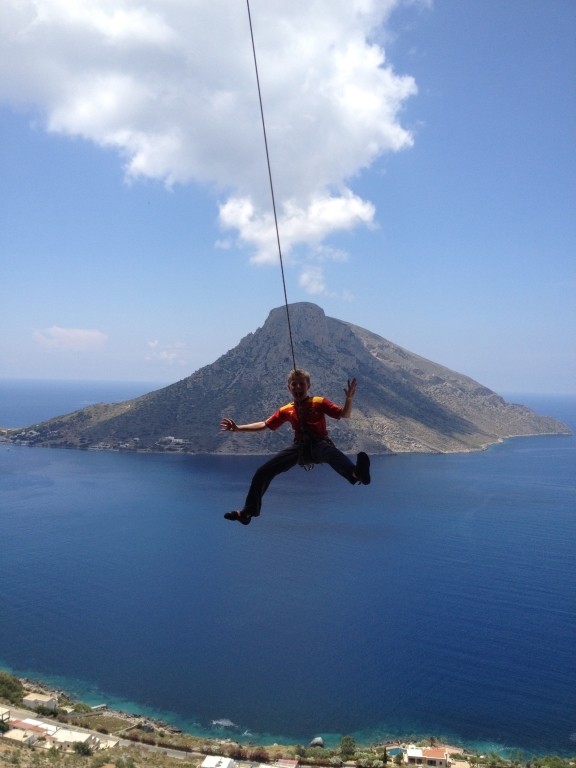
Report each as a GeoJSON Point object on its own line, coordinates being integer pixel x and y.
{"type": "Point", "coordinates": [226, 734]}
{"type": "Point", "coordinates": [5, 440]}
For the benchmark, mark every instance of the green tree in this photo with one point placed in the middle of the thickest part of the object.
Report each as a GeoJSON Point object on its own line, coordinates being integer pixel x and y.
{"type": "Point", "coordinates": [553, 761]}
{"type": "Point", "coordinates": [10, 688]}
{"type": "Point", "coordinates": [318, 753]}
{"type": "Point", "coordinates": [82, 749]}
{"type": "Point", "coordinates": [385, 756]}
{"type": "Point", "coordinates": [347, 747]}
{"type": "Point", "coordinates": [237, 753]}
{"type": "Point", "coordinates": [399, 758]}
{"type": "Point", "coordinates": [44, 711]}
{"type": "Point", "coordinates": [432, 740]}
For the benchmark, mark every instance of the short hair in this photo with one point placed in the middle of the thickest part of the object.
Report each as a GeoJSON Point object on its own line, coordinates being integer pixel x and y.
{"type": "Point", "coordinates": [296, 373]}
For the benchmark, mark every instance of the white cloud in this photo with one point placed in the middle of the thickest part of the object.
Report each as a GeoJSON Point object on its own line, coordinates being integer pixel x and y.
{"type": "Point", "coordinates": [170, 84]}
{"type": "Point", "coordinates": [312, 280]}
{"type": "Point", "coordinates": [166, 357]}
{"type": "Point", "coordinates": [327, 253]}
{"type": "Point", "coordinates": [166, 353]}
{"type": "Point", "coordinates": [71, 339]}
{"type": "Point", "coordinates": [309, 224]}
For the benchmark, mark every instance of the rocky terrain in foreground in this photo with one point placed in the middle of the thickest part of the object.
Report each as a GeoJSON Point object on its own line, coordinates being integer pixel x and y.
{"type": "Point", "coordinates": [404, 402]}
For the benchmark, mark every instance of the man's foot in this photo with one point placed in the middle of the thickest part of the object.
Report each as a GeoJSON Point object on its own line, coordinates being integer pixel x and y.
{"type": "Point", "coordinates": [242, 518]}
{"type": "Point", "coordinates": [362, 468]}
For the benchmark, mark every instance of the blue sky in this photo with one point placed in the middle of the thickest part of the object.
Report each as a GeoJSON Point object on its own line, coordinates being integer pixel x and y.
{"type": "Point", "coordinates": [429, 197]}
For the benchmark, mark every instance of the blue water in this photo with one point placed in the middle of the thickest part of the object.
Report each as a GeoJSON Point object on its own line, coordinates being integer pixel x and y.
{"type": "Point", "coordinates": [440, 599]}
{"type": "Point", "coordinates": [29, 401]}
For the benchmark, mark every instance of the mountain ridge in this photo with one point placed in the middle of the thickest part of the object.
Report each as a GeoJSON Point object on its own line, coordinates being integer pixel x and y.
{"type": "Point", "coordinates": [404, 402]}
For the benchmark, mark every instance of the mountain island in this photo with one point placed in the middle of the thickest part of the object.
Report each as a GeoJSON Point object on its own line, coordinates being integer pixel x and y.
{"type": "Point", "coordinates": [404, 402]}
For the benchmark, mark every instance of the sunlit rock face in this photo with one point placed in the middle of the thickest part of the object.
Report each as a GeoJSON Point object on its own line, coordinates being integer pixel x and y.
{"type": "Point", "coordinates": [403, 403]}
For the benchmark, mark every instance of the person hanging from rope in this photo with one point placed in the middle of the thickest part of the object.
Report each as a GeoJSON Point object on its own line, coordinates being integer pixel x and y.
{"type": "Point", "coordinates": [307, 416]}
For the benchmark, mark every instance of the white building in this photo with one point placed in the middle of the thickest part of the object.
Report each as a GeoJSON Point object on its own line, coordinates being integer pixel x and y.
{"type": "Point", "coordinates": [434, 756]}
{"type": "Point", "coordinates": [34, 700]}
{"type": "Point", "coordinates": [4, 715]}
{"type": "Point", "coordinates": [65, 739]}
{"type": "Point", "coordinates": [20, 736]}
{"type": "Point", "coordinates": [106, 742]}
{"type": "Point", "coordinates": [216, 761]}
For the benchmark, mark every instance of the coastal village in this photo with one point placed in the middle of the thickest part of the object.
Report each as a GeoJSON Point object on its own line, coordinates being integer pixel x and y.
{"type": "Point", "coordinates": [40, 726]}
{"type": "Point", "coordinates": [31, 437]}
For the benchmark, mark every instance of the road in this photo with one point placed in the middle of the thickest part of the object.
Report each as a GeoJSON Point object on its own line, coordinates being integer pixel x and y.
{"type": "Point", "coordinates": [22, 714]}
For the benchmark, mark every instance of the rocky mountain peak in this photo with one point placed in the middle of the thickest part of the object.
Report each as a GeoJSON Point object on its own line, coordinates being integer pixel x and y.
{"type": "Point", "coordinates": [403, 403]}
{"type": "Point", "coordinates": [309, 325]}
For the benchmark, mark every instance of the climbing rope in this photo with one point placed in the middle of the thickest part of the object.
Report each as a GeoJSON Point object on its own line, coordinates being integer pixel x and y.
{"type": "Point", "coordinates": [304, 463]}
{"type": "Point", "coordinates": [271, 186]}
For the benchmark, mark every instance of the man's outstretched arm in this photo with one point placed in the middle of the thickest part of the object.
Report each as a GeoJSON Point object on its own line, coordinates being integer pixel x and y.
{"type": "Point", "coordinates": [349, 391]}
{"type": "Point", "coordinates": [229, 425]}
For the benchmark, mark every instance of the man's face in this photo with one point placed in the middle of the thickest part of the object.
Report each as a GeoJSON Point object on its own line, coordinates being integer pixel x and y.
{"type": "Point", "coordinates": [299, 388]}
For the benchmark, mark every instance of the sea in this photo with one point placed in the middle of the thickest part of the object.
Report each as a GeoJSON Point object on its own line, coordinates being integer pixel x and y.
{"type": "Point", "coordinates": [441, 599]}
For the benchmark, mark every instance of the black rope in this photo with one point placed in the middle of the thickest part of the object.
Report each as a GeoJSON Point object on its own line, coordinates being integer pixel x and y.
{"type": "Point", "coordinates": [271, 186]}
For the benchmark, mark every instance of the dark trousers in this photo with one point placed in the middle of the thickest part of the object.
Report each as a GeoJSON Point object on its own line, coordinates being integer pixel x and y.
{"type": "Point", "coordinates": [315, 452]}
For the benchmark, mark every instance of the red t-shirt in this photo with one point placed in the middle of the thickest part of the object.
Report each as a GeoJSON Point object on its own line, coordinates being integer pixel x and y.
{"type": "Point", "coordinates": [314, 410]}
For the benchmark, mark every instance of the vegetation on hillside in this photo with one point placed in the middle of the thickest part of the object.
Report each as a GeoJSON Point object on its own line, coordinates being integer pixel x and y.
{"type": "Point", "coordinates": [10, 688]}
{"type": "Point", "coordinates": [26, 757]}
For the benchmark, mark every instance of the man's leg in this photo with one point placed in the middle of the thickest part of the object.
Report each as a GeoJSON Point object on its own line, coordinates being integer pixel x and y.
{"type": "Point", "coordinates": [263, 476]}
{"type": "Point", "coordinates": [328, 454]}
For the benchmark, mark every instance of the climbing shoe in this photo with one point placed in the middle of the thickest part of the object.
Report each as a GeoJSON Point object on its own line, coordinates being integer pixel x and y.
{"type": "Point", "coordinates": [235, 515]}
{"type": "Point", "coordinates": [362, 468]}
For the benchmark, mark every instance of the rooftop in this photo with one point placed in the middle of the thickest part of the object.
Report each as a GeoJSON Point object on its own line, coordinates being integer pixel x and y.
{"type": "Point", "coordinates": [217, 761]}
{"type": "Point", "coordinates": [20, 725]}
{"type": "Point", "coordinates": [436, 752]}
{"type": "Point", "coordinates": [63, 734]}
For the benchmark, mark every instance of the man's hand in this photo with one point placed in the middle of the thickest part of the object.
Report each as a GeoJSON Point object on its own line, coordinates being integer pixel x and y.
{"type": "Point", "coordinates": [229, 425]}
{"type": "Point", "coordinates": [350, 390]}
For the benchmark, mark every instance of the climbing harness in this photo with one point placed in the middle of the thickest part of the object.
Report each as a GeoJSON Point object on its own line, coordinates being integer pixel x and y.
{"type": "Point", "coordinates": [304, 440]}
